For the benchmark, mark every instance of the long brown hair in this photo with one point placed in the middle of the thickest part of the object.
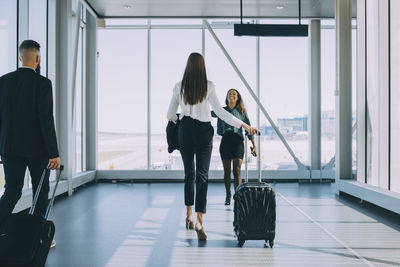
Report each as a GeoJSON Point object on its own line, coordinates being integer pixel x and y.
{"type": "Point", "coordinates": [239, 102]}
{"type": "Point", "coordinates": [194, 81]}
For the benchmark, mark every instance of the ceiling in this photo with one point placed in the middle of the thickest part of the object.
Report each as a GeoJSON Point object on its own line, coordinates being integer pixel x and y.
{"type": "Point", "coordinates": [214, 8]}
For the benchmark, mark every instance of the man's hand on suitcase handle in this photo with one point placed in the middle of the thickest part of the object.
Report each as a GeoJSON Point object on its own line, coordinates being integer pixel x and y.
{"type": "Point", "coordinates": [54, 164]}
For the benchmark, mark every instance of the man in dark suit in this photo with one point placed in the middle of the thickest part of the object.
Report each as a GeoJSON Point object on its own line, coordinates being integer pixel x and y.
{"type": "Point", "coordinates": [27, 133]}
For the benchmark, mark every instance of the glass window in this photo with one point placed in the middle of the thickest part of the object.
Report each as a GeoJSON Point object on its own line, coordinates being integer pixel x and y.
{"type": "Point", "coordinates": [122, 106]}
{"type": "Point", "coordinates": [373, 93]}
{"type": "Point", "coordinates": [328, 85]}
{"type": "Point", "coordinates": [284, 94]}
{"type": "Point", "coordinates": [8, 36]}
{"type": "Point", "coordinates": [395, 96]}
{"type": "Point", "coordinates": [8, 47]}
{"type": "Point", "coordinates": [169, 52]}
{"type": "Point", "coordinates": [38, 29]}
{"type": "Point", "coordinates": [219, 70]}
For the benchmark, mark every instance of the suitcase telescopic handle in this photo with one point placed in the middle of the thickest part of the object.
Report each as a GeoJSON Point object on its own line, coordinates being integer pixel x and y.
{"type": "Point", "coordinates": [259, 158]}
{"type": "Point", "coordinates": [54, 193]}
{"type": "Point", "coordinates": [46, 172]}
{"type": "Point", "coordinates": [246, 179]}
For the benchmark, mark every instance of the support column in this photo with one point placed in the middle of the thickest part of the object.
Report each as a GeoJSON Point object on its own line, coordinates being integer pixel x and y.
{"type": "Point", "coordinates": [63, 84]}
{"type": "Point", "coordinates": [343, 91]}
{"type": "Point", "coordinates": [91, 92]}
{"type": "Point", "coordinates": [361, 92]}
{"type": "Point", "coordinates": [314, 95]}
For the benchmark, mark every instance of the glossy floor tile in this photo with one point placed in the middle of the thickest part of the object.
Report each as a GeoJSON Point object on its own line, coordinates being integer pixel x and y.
{"type": "Point", "coordinates": [142, 224]}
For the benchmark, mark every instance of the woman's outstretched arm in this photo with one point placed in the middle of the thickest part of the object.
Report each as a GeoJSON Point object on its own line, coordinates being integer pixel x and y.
{"type": "Point", "coordinates": [173, 107]}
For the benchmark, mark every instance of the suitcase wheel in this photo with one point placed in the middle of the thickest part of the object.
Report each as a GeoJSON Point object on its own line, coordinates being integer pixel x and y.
{"type": "Point", "coordinates": [271, 243]}
{"type": "Point", "coordinates": [241, 243]}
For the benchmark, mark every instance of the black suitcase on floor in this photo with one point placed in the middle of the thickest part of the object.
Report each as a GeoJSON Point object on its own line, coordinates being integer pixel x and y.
{"type": "Point", "coordinates": [254, 209]}
{"type": "Point", "coordinates": [25, 239]}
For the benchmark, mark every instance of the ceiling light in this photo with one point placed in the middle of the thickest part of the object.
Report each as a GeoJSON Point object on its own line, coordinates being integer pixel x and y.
{"type": "Point", "coordinates": [280, 7]}
{"type": "Point", "coordinates": [127, 7]}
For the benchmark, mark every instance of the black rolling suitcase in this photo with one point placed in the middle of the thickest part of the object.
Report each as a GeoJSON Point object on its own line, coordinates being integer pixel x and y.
{"type": "Point", "coordinates": [25, 239]}
{"type": "Point", "coordinates": [254, 209]}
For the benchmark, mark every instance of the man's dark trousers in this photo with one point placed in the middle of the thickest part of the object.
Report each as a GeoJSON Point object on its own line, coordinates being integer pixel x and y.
{"type": "Point", "coordinates": [14, 170]}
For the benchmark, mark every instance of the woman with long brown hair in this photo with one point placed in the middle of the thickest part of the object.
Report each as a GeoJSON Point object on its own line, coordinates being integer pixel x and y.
{"type": "Point", "coordinates": [231, 147]}
{"type": "Point", "coordinates": [194, 94]}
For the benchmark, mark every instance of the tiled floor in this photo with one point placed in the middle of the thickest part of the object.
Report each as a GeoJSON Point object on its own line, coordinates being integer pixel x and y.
{"type": "Point", "coordinates": [143, 225]}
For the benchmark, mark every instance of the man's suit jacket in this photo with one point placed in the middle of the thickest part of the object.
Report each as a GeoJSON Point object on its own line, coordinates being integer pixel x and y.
{"type": "Point", "coordinates": [26, 115]}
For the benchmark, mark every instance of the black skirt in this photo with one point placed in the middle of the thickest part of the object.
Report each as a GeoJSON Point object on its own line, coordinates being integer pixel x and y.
{"type": "Point", "coordinates": [231, 146]}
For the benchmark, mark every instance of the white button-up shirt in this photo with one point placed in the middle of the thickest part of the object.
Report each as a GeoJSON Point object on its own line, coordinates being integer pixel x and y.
{"type": "Point", "coordinates": [200, 111]}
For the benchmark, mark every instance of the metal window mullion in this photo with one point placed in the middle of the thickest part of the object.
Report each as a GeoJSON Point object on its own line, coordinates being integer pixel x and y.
{"type": "Point", "coordinates": [203, 41]}
{"type": "Point", "coordinates": [74, 75]}
{"type": "Point", "coordinates": [365, 98]}
{"type": "Point", "coordinates": [167, 27]}
{"type": "Point", "coordinates": [379, 99]}
{"type": "Point", "coordinates": [186, 26]}
{"type": "Point", "coordinates": [258, 95]}
{"type": "Point", "coordinates": [390, 96]}
{"type": "Point", "coordinates": [148, 94]}
{"type": "Point", "coordinates": [83, 92]}
{"type": "Point", "coordinates": [89, 8]}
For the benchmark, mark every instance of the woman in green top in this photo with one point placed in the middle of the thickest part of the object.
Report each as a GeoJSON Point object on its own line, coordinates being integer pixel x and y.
{"type": "Point", "coordinates": [232, 148]}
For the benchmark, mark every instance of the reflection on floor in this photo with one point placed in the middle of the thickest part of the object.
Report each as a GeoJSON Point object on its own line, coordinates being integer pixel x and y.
{"type": "Point", "coordinates": [143, 225]}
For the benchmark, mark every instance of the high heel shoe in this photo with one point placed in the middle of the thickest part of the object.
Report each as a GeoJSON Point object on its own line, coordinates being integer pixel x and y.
{"type": "Point", "coordinates": [189, 223]}
{"type": "Point", "coordinates": [201, 235]}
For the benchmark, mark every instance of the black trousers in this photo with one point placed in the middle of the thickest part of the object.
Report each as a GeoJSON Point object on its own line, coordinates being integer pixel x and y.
{"type": "Point", "coordinates": [14, 171]}
{"type": "Point", "coordinates": [195, 139]}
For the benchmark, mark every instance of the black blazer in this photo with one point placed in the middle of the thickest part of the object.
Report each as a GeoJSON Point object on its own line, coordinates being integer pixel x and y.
{"type": "Point", "coordinates": [172, 135]}
{"type": "Point", "coordinates": [26, 115]}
